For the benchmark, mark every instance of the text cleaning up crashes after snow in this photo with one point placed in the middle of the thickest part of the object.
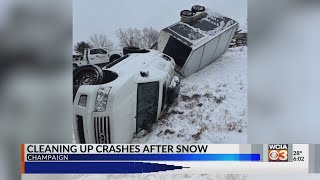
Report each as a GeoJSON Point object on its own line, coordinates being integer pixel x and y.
{"type": "Point", "coordinates": [199, 38]}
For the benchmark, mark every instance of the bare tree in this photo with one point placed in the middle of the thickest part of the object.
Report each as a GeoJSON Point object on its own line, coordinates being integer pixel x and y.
{"type": "Point", "coordinates": [81, 46]}
{"type": "Point", "coordinates": [101, 40]}
{"type": "Point", "coordinates": [129, 37]}
{"type": "Point", "coordinates": [149, 36]}
{"type": "Point", "coordinates": [138, 38]}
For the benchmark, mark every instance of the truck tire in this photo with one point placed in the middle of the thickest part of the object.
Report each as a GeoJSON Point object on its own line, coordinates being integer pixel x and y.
{"type": "Point", "coordinates": [186, 13]}
{"type": "Point", "coordinates": [87, 75]}
{"type": "Point", "coordinates": [114, 57]}
{"type": "Point", "coordinates": [197, 8]}
{"type": "Point", "coordinates": [127, 50]}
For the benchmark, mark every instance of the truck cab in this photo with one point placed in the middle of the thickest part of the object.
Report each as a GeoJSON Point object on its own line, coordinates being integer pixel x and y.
{"type": "Point", "coordinates": [133, 93]}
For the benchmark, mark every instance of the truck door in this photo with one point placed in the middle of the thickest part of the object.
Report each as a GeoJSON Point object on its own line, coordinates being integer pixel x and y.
{"type": "Point", "coordinates": [97, 56]}
{"type": "Point", "coordinates": [147, 104]}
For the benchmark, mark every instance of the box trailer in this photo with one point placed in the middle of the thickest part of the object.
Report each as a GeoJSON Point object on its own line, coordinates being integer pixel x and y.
{"type": "Point", "coordinates": [199, 38]}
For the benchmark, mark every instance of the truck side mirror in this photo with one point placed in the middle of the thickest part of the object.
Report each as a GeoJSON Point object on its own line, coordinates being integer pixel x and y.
{"type": "Point", "coordinates": [173, 90]}
{"type": "Point", "coordinates": [175, 80]}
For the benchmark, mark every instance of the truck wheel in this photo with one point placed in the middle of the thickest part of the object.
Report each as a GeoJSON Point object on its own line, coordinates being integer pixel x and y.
{"type": "Point", "coordinates": [186, 13]}
{"type": "Point", "coordinates": [197, 8]}
{"type": "Point", "coordinates": [114, 57]}
{"type": "Point", "coordinates": [87, 75]}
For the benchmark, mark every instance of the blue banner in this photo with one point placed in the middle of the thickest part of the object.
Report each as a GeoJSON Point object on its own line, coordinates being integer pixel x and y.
{"type": "Point", "coordinates": [95, 167]}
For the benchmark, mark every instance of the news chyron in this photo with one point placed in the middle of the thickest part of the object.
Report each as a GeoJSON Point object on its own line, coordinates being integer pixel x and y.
{"type": "Point", "coordinates": [166, 158]}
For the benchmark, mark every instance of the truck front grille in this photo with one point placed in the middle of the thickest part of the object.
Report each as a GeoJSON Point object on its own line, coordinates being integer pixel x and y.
{"type": "Point", "coordinates": [102, 130]}
{"type": "Point", "coordinates": [80, 129]}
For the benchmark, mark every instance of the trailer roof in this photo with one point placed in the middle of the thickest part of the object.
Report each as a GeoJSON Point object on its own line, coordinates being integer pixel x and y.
{"type": "Point", "coordinates": [207, 27]}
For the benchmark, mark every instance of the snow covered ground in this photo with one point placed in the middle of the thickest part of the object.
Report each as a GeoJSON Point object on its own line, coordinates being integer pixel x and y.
{"type": "Point", "coordinates": [212, 106]}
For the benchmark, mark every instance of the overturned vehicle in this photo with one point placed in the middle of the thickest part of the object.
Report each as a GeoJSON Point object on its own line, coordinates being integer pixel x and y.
{"type": "Point", "coordinates": [199, 38]}
{"type": "Point", "coordinates": [113, 103]}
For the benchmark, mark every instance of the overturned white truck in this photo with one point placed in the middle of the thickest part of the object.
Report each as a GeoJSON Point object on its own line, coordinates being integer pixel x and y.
{"type": "Point", "coordinates": [127, 95]}
{"type": "Point", "coordinates": [199, 38]}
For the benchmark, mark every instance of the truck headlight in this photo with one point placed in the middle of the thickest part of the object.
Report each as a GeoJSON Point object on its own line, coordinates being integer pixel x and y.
{"type": "Point", "coordinates": [101, 99]}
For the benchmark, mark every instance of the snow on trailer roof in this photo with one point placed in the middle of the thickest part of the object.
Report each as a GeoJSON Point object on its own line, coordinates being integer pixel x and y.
{"type": "Point", "coordinates": [205, 28]}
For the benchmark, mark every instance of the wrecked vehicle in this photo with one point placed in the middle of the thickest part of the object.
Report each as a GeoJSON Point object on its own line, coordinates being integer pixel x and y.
{"type": "Point", "coordinates": [96, 56]}
{"type": "Point", "coordinates": [199, 38]}
{"type": "Point", "coordinates": [129, 94]}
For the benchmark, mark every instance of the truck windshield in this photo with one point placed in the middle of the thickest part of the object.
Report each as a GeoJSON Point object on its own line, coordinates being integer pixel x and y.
{"type": "Point", "coordinates": [177, 50]}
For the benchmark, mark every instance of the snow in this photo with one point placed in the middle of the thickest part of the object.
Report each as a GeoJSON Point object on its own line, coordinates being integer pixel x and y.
{"type": "Point", "coordinates": [243, 27]}
{"type": "Point", "coordinates": [211, 108]}
{"type": "Point", "coordinates": [243, 24]}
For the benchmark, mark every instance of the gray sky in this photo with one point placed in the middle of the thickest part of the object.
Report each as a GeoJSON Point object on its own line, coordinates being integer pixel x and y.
{"type": "Point", "coordinates": [106, 16]}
